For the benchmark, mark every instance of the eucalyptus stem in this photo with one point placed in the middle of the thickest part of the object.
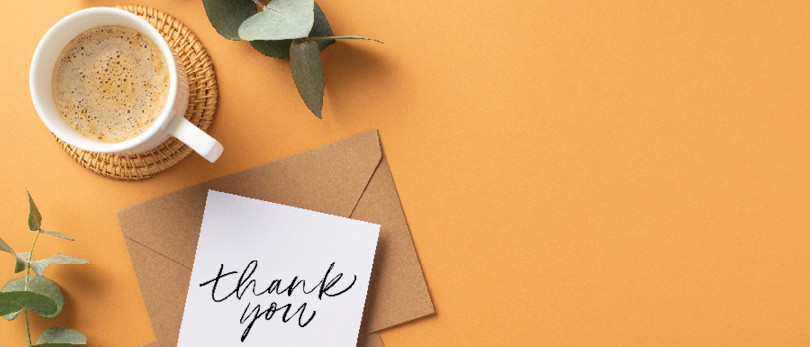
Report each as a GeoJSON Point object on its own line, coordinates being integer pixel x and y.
{"type": "Point", "coordinates": [260, 4]}
{"type": "Point", "coordinates": [27, 274]}
{"type": "Point", "coordinates": [30, 256]}
{"type": "Point", "coordinates": [340, 37]}
{"type": "Point", "coordinates": [27, 330]}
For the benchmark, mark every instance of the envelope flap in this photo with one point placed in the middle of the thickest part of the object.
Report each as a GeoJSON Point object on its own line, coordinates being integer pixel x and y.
{"type": "Point", "coordinates": [329, 179]}
{"type": "Point", "coordinates": [398, 291]}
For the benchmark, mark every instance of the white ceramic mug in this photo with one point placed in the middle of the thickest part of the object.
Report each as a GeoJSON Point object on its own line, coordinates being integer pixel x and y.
{"type": "Point", "coordinates": [171, 121]}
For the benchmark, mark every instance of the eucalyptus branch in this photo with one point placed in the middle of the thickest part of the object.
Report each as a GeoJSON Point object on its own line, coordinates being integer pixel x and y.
{"type": "Point", "coordinates": [38, 294]}
{"type": "Point", "coordinates": [284, 29]}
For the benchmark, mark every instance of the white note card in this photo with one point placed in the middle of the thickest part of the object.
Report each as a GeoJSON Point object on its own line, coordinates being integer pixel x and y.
{"type": "Point", "coordinates": [267, 274]}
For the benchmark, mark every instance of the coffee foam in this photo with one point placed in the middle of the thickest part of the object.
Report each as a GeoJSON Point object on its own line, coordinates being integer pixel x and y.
{"type": "Point", "coordinates": [110, 83]}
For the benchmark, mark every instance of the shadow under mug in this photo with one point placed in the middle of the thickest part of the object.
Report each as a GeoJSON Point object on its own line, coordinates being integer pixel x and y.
{"type": "Point", "coordinates": [171, 121]}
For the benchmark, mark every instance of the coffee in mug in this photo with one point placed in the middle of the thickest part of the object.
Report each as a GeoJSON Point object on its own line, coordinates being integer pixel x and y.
{"type": "Point", "coordinates": [110, 83]}
{"type": "Point", "coordinates": [164, 106]}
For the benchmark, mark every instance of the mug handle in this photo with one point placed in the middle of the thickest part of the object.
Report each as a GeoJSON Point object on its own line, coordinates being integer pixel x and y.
{"type": "Point", "coordinates": [188, 133]}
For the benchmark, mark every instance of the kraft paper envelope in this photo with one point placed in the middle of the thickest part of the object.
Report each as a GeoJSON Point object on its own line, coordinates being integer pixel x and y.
{"type": "Point", "coordinates": [348, 178]}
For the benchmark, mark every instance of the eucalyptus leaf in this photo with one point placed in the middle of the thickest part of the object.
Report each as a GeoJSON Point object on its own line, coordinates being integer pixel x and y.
{"type": "Point", "coordinates": [40, 286]}
{"type": "Point", "coordinates": [307, 71]}
{"type": "Point", "coordinates": [22, 257]}
{"type": "Point", "coordinates": [61, 337]}
{"type": "Point", "coordinates": [281, 20]}
{"type": "Point", "coordinates": [34, 218]}
{"type": "Point", "coordinates": [227, 15]}
{"type": "Point", "coordinates": [9, 307]}
{"type": "Point", "coordinates": [40, 265]}
{"type": "Point", "coordinates": [12, 316]}
{"type": "Point", "coordinates": [53, 233]}
{"type": "Point", "coordinates": [281, 48]}
{"type": "Point", "coordinates": [22, 261]}
{"type": "Point", "coordinates": [5, 247]}
{"type": "Point", "coordinates": [19, 261]}
{"type": "Point", "coordinates": [40, 304]}
{"type": "Point", "coordinates": [320, 27]}
{"type": "Point", "coordinates": [276, 49]}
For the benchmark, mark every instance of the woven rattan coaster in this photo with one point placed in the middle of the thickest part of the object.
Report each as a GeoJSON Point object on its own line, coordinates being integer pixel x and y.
{"type": "Point", "coordinates": [202, 104]}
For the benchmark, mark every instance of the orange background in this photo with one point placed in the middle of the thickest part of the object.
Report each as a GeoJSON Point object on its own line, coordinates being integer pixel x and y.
{"type": "Point", "coordinates": [573, 172]}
